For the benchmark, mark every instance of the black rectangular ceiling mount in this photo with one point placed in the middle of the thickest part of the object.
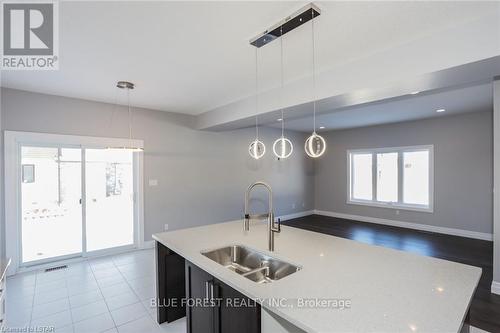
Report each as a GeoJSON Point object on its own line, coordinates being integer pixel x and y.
{"type": "Point", "coordinates": [293, 21]}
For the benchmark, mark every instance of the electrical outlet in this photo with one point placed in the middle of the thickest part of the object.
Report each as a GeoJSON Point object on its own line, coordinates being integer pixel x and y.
{"type": "Point", "coordinates": [293, 205]}
{"type": "Point", "coordinates": [303, 204]}
{"type": "Point", "coordinates": [165, 227]}
{"type": "Point", "coordinates": [397, 211]}
{"type": "Point", "coordinates": [153, 182]}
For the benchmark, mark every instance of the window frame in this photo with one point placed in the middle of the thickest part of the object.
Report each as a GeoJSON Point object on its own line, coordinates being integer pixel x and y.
{"type": "Point", "coordinates": [393, 205]}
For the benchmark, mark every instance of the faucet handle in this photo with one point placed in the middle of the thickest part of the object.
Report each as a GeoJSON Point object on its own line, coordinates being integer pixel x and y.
{"type": "Point", "coordinates": [246, 222]}
{"type": "Point", "coordinates": [273, 225]}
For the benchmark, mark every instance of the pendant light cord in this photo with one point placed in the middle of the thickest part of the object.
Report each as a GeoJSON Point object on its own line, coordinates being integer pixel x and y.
{"type": "Point", "coordinates": [256, 95]}
{"type": "Point", "coordinates": [113, 109]}
{"type": "Point", "coordinates": [313, 71]}
{"type": "Point", "coordinates": [129, 116]}
{"type": "Point", "coordinates": [282, 86]}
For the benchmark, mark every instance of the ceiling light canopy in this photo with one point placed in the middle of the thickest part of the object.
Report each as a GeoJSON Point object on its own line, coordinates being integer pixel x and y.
{"type": "Point", "coordinates": [125, 85]}
{"type": "Point", "coordinates": [286, 25]}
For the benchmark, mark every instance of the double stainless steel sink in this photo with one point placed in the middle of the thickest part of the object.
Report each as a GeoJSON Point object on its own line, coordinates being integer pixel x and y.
{"type": "Point", "coordinates": [251, 264]}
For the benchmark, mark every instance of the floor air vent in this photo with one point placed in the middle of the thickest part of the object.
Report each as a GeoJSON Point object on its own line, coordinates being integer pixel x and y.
{"type": "Point", "coordinates": [55, 268]}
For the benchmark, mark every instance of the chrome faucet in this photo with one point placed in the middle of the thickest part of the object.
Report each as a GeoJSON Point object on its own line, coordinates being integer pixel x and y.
{"type": "Point", "coordinates": [271, 227]}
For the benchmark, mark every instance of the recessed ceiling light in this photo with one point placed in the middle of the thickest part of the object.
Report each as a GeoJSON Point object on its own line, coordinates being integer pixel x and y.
{"type": "Point", "coordinates": [440, 110]}
{"type": "Point", "coordinates": [279, 119]}
{"type": "Point", "coordinates": [322, 127]}
{"type": "Point", "coordinates": [415, 92]}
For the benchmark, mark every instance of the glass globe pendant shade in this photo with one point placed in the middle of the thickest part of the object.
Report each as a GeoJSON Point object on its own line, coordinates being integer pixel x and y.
{"type": "Point", "coordinates": [282, 147]}
{"type": "Point", "coordinates": [257, 149]}
{"type": "Point", "coordinates": [315, 145]}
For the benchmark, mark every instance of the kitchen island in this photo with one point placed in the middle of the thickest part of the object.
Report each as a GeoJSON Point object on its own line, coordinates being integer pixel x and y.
{"type": "Point", "coordinates": [342, 286]}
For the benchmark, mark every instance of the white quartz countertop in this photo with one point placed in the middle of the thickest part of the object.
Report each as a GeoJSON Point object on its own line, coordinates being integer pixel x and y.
{"type": "Point", "coordinates": [388, 290]}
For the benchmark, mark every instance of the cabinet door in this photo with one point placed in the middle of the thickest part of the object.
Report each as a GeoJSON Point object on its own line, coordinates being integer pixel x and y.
{"type": "Point", "coordinates": [170, 285]}
{"type": "Point", "coordinates": [236, 312]}
{"type": "Point", "coordinates": [200, 317]}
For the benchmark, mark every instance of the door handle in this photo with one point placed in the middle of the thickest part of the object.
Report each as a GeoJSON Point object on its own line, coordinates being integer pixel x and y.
{"type": "Point", "coordinates": [217, 306]}
{"type": "Point", "coordinates": [207, 289]}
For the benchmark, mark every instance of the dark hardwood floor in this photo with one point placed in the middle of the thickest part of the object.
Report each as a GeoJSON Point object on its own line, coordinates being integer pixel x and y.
{"type": "Point", "coordinates": [485, 307]}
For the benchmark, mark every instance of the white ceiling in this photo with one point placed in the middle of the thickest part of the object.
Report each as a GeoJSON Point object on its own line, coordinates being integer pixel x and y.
{"type": "Point", "coordinates": [410, 107]}
{"type": "Point", "coordinates": [191, 57]}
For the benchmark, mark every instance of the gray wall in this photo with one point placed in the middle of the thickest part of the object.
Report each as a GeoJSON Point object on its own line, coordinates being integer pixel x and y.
{"type": "Point", "coordinates": [202, 175]}
{"type": "Point", "coordinates": [463, 169]}
{"type": "Point", "coordinates": [2, 202]}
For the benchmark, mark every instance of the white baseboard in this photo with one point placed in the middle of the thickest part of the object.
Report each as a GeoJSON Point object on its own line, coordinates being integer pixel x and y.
{"type": "Point", "coordinates": [148, 244]}
{"type": "Point", "coordinates": [473, 329]}
{"type": "Point", "coordinates": [410, 225]}
{"type": "Point", "coordinates": [495, 287]}
{"type": "Point", "coordinates": [296, 215]}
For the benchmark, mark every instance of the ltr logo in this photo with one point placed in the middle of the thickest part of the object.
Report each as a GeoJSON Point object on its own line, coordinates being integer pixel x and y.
{"type": "Point", "coordinates": [28, 29]}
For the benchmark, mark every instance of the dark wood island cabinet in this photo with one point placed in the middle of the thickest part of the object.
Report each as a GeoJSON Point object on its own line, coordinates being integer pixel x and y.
{"type": "Point", "coordinates": [210, 305]}
{"type": "Point", "coordinates": [170, 285]}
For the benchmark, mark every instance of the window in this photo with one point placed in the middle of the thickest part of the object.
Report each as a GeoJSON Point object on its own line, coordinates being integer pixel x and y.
{"type": "Point", "coordinates": [400, 178]}
{"type": "Point", "coordinates": [362, 180]}
{"type": "Point", "coordinates": [387, 177]}
{"type": "Point", "coordinates": [415, 174]}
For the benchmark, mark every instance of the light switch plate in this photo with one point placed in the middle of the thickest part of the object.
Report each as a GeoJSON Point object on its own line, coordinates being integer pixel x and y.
{"type": "Point", "coordinates": [153, 182]}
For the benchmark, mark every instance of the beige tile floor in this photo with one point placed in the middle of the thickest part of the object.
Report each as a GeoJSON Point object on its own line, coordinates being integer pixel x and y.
{"type": "Point", "coordinates": [108, 294]}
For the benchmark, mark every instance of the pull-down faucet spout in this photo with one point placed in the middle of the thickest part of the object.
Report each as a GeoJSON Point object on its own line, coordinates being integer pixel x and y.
{"type": "Point", "coordinates": [271, 226]}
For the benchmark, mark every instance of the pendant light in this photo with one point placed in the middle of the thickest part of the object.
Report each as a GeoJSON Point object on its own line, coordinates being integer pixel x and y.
{"type": "Point", "coordinates": [282, 147]}
{"type": "Point", "coordinates": [315, 145]}
{"type": "Point", "coordinates": [256, 149]}
{"type": "Point", "coordinates": [131, 146]}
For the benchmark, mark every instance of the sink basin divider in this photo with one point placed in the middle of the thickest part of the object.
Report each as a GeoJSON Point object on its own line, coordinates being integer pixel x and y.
{"type": "Point", "coordinates": [257, 270]}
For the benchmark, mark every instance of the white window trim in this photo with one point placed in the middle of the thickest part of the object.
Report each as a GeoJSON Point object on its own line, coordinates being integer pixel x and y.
{"type": "Point", "coordinates": [391, 205]}
{"type": "Point", "coordinates": [12, 143]}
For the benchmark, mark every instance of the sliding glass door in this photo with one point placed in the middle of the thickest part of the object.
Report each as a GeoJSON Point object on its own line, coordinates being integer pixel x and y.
{"type": "Point", "coordinates": [109, 198]}
{"type": "Point", "coordinates": [51, 218]}
{"type": "Point", "coordinates": [60, 218]}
